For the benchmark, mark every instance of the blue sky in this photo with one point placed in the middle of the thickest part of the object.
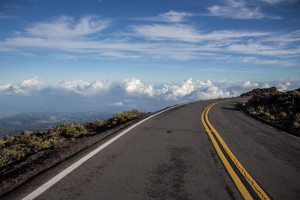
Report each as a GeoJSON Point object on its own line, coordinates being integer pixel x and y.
{"type": "Point", "coordinates": [143, 53]}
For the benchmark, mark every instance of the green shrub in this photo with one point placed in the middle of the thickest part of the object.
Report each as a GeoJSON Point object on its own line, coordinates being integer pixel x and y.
{"type": "Point", "coordinates": [14, 148]}
{"type": "Point", "coordinates": [93, 126]}
{"type": "Point", "coordinates": [69, 130]}
{"type": "Point", "coordinates": [120, 118]}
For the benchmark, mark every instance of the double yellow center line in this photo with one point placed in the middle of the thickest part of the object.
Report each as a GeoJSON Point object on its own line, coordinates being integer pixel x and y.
{"type": "Point", "coordinates": [216, 140]}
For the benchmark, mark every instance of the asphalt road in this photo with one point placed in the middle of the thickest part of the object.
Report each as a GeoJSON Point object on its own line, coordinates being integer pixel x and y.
{"type": "Point", "coordinates": [170, 156]}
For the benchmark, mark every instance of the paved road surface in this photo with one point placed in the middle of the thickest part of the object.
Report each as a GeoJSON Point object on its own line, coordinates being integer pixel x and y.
{"type": "Point", "coordinates": [170, 156]}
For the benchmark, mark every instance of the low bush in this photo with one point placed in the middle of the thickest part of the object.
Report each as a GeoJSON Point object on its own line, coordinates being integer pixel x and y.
{"type": "Point", "coordinates": [120, 118]}
{"type": "Point", "coordinates": [93, 126]}
{"type": "Point", "coordinates": [70, 130]}
{"type": "Point", "coordinates": [15, 148]}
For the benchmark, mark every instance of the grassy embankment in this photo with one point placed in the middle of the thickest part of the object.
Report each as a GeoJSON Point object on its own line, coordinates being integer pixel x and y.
{"type": "Point", "coordinates": [281, 109]}
{"type": "Point", "coordinates": [14, 149]}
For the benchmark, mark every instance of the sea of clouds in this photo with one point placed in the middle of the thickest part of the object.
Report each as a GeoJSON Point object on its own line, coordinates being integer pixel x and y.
{"type": "Point", "coordinates": [35, 94]}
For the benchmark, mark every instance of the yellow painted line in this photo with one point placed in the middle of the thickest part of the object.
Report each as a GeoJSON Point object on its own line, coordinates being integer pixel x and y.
{"type": "Point", "coordinates": [259, 191]}
{"type": "Point", "coordinates": [246, 195]}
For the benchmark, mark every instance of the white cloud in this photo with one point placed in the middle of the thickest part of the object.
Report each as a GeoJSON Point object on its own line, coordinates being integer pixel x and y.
{"type": "Point", "coordinates": [191, 90]}
{"type": "Point", "coordinates": [248, 84]}
{"type": "Point", "coordinates": [174, 91]}
{"type": "Point", "coordinates": [82, 39]}
{"type": "Point", "coordinates": [283, 86]}
{"type": "Point", "coordinates": [67, 27]}
{"type": "Point", "coordinates": [189, 33]}
{"type": "Point", "coordinates": [65, 57]}
{"type": "Point", "coordinates": [84, 88]}
{"type": "Point", "coordinates": [114, 54]}
{"type": "Point", "coordinates": [34, 86]}
{"type": "Point", "coordinates": [26, 87]}
{"type": "Point", "coordinates": [27, 54]}
{"type": "Point", "coordinates": [266, 85]}
{"type": "Point", "coordinates": [136, 87]}
{"type": "Point", "coordinates": [171, 17]}
{"type": "Point", "coordinates": [200, 45]}
{"type": "Point", "coordinates": [266, 62]}
{"type": "Point", "coordinates": [117, 104]}
{"type": "Point", "coordinates": [284, 39]}
{"type": "Point", "coordinates": [174, 16]}
{"type": "Point", "coordinates": [170, 32]}
{"type": "Point", "coordinates": [30, 82]}
{"type": "Point", "coordinates": [238, 10]}
{"type": "Point", "coordinates": [257, 48]}
{"type": "Point", "coordinates": [134, 92]}
{"type": "Point", "coordinates": [5, 87]}
{"type": "Point", "coordinates": [278, 1]}
{"type": "Point", "coordinates": [235, 12]}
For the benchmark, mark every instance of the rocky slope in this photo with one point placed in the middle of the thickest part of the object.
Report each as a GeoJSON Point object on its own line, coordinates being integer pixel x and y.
{"type": "Point", "coordinates": [281, 109]}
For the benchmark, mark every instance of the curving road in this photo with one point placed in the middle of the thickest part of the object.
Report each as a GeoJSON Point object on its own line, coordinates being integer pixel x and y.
{"type": "Point", "coordinates": [171, 156]}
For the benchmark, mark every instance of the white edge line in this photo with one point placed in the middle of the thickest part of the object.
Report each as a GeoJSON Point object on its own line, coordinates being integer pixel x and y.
{"type": "Point", "coordinates": [68, 170]}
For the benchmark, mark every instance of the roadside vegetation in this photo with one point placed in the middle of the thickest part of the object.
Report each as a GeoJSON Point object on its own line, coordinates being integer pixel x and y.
{"type": "Point", "coordinates": [14, 149]}
{"type": "Point", "coordinates": [281, 109]}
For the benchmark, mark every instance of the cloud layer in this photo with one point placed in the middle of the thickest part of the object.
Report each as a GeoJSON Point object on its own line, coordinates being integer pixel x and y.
{"type": "Point", "coordinates": [131, 93]}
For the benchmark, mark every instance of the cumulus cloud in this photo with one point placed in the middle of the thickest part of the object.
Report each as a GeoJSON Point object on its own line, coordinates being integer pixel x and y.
{"type": "Point", "coordinates": [266, 85]}
{"type": "Point", "coordinates": [209, 90]}
{"type": "Point", "coordinates": [26, 87]}
{"type": "Point", "coordinates": [128, 93]}
{"type": "Point", "coordinates": [34, 86]}
{"type": "Point", "coordinates": [283, 86]}
{"type": "Point", "coordinates": [5, 87]}
{"type": "Point", "coordinates": [84, 88]}
{"type": "Point", "coordinates": [192, 90]}
{"type": "Point", "coordinates": [248, 84]}
{"type": "Point", "coordinates": [175, 91]}
{"type": "Point", "coordinates": [137, 87]}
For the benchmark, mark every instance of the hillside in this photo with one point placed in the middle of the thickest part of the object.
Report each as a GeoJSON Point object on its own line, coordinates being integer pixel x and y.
{"type": "Point", "coordinates": [280, 109]}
